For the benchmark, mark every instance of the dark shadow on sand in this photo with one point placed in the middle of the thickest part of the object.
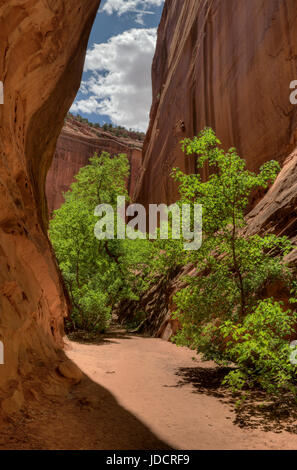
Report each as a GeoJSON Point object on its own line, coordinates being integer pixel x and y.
{"type": "Point", "coordinates": [257, 411]}
{"type": "Point", "coordinates": [83, 416]}
{"type": "Point", "coordinates": [110, 337]}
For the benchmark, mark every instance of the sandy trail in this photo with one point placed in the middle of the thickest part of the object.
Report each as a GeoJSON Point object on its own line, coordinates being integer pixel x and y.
{"type": "Point", "coordinates": [148, 377]}
{"type": "Point", "coordinates": [142, 393]}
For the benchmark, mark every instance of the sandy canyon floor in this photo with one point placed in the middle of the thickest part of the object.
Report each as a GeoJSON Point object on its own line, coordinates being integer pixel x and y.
{"type": "Point", "coordinates": [145, 393]}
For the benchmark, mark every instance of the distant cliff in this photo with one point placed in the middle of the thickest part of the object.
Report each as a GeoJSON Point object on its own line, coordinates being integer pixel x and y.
{"type": "Point", "coordinates": [76, 144]}
{"type": "Point", "coordinates": [227, 64]}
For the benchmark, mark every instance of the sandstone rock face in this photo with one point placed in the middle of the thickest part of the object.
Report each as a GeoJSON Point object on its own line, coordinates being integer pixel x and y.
{"type": "Point", "coordinates": [228, 65]}
{"type": "Point", "coordinates": [156, 305]}
{"type": "Point", "coordinates": [42, 48]}
{"type": "Point", "coordinates": [76, 144]}
{"type": "Point", "coordinates": [277, 211]}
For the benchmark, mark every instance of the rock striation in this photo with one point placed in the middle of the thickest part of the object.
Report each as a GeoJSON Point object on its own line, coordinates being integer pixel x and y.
{"type": "Point", "coordinates": [276, 212]}
{"type": "Point", "coordinates": [224, 64]}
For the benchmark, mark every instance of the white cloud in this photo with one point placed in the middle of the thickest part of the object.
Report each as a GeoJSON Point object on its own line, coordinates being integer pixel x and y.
{"type": "Point", "coordinates": [120, 81]}
{"type": "Point", "coordinates": [140, 16]}
{"type": "Point", "coordinates": [124, 6]}
{"type": "Point", "coordinates": [121, 7]}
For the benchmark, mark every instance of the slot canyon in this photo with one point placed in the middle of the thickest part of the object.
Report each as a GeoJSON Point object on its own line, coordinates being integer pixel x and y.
{"type": "Point", "coordinates": [209, 69]}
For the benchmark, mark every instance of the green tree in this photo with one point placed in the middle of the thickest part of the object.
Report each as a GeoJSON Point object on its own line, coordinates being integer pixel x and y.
{"type": "Point", "coordinates": [232, 267]}
{"type": "Point", "coordinates": [97, 273]}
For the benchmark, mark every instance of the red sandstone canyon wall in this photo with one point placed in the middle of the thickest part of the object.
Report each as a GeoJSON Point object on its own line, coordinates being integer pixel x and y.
{"type": "Point", "coordinates": [226, 64]}
{"type": "Point", "coordinates": [276, 212]}
{"type": "Point", "coordinates": [42, 50]}
{"type": "Point", "coordinates": [223, 63]}
{"type": "Point", "coordinates": [76, 144]}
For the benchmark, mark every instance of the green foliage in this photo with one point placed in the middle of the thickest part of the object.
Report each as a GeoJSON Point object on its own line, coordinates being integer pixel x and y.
{"type": "Point", "coordinates": [232, 266]}
{"type": "Point", "coordinates": [133, 323]}
{"type": "Point", "coordinates": [260, 347]}
{"type": "Point", "coordinates": [219, 308]}
{"type": "Point", "coordinates": [98, 274]}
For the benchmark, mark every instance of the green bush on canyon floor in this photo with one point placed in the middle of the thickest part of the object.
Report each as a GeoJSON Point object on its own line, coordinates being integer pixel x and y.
{"type": "Point", "coordinates": [97, 273]}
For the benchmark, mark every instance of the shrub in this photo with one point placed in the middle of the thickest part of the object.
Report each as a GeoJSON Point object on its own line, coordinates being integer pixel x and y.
{"type": "Point", "coordinates": [260, 347]}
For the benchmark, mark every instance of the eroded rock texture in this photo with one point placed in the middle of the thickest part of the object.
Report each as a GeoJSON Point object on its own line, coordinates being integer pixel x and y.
{"type": "Point", "coordinates": [227, 64]}
{"type": "Point", "coordinates": [42, 48]}
{"type": "Point", "coordinates": [277, 211]}
{"type": "Point", "coordinates": [76, 144]}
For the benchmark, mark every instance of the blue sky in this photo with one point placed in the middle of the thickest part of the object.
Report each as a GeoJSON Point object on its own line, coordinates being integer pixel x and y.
{"type": "Point", "coordinates": [116, 84]}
